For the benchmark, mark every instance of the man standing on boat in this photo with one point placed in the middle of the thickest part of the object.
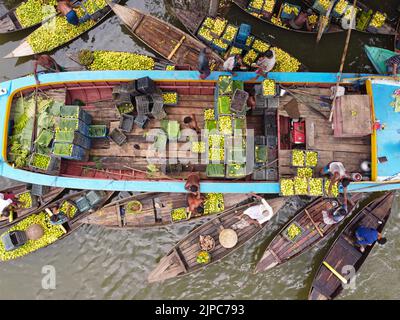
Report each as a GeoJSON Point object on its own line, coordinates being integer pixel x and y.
{"type": "Point", "coordinates": [46, 62]}
{"type": "Point", "coordinates": [195, 205]}
{"type": "Point", "coordinates": [337, 172]}
{"type": "Point", "coordinates": [66, 8]}
{"type": "Point", "coordinates": [204, 63]}
{"type": "Point", "coordinates": [233, 63]}
{"type": "Point", "coordinates": [264, 64]}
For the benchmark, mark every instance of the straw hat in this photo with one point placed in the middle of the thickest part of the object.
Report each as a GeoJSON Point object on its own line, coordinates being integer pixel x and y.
{"type": "Point", "coordinates": [34, 232]}
{"type": "Point", "coordinates": [228, 238]}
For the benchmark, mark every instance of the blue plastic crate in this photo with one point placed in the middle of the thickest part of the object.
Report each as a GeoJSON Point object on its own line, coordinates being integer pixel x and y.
{"type": "Point", "coordinates": [243, 33]}
{"type": "Point", "coordinates": [290, 16]}
{"type": "Point", "coordinates": [78, 153]}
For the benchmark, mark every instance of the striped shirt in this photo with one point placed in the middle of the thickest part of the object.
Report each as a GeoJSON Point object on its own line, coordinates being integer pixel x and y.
{"type": "Point", "coordinates": [393, 60]}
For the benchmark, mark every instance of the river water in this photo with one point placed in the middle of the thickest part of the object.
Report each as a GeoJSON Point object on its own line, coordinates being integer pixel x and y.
{"type": "Point", "coordinates": [95, 263]}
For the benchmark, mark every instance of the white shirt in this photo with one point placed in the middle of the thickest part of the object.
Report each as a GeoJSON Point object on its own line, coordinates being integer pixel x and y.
{"type": "Point", "coordinates": [339, 168]}
{"type": "Point", "coordinates": [229, 64]}
{"type": "Point", "coordinates": [267, 64]}
{"type": "Point", "coordinates": [4, 203]}
{"type": "Point", "coordinates": [262, 212]}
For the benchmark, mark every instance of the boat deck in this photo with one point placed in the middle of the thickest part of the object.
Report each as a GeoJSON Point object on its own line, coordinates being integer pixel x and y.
{"type": "Point", "coordinates": [319, 137]}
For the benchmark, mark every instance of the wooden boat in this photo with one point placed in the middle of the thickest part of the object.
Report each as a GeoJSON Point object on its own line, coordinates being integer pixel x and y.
{"type": "Point", "coordinates": [181, 259]}
{"type": "Point", "coordinates": [165, 39]}
{"type": "Point", "coordinates": [193, 19]}
{"type": "Point", "coordinates": [159, 64]}
{"type": "Point", "coordinates": [397, 39]}
{"type": "Point", "coordinates": [125, 167]}
{"type": "Point", "coordinates": [312, 231]}
{"type": "Point", "coordinates": [333, 27]}
{"type": "Point", "coordinates": [9, 22]}
{"type": "Point", "coordinates": [344, 252]}
{"type": "Point", "coordinates": [156, 210]}
{"type": "Point", "coordinates": [19, 214]}
{"type": "Point", "coordinates": [25, 49]}
{"type": "Point", "coordinates": [378, 57]}
{"type": "Point", "coordinates": [84, 208]}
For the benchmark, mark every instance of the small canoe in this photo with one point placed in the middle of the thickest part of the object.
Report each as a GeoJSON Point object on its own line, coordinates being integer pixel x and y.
{"type": "Point", "coordinates": [344, 252]}
{"type": "Point", "coordinates": [9, 22]}
{"type": "Point", "coordinates": [165, 39]}
{"type": "Point", "coordinates": [193, 20]}
{"type": "Point", "coordinates": [378, 56]}
{"type": "Point", "coordinates": [159, 64]}
{"type": "Point", "coordinates": [19, 214]}
{"type": "Point", "coordinates": [182, 259]}
{"type": "Point", "coordinates": [25, 48]}
{"type": "Point", "coordinates": [287, 245]}
{"type": "Point", "coordinates": [156, 210]}
{"type": "Point", "coordinates": [88, 201]}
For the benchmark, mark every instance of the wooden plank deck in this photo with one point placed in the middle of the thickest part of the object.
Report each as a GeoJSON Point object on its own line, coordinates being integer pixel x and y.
{"type": "Point", "coordinates": [320, 137]}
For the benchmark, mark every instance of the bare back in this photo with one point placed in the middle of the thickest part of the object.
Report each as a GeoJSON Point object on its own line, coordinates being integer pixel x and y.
{"type": "Point", "coordinates": [64, 7]}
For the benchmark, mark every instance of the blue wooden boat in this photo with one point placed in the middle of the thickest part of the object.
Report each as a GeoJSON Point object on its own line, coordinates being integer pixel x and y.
{"type": "Point", "coordinates": [378, 57]}
{"type": "Point", "coordinates": [108, 166]}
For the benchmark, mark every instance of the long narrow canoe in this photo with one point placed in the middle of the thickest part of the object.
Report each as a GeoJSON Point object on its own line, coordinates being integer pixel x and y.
{"type": "Point", "coordinates": [23, 212]}
{"type": "Point", "coordinates": [52, 233]}
{"type": "Point", "coordinates": [193, 20]}
{"type": "Point", "coordinates": [159, 64]}
{"type": "Point", "coordinates": [168, 41]}
{"type": "Point", "coordinates": [281, 249]}
{"type": "Point", "coordinates": [9, 22]}
{"type": "Point", "coordinates": [156, 210]}
{"type": "Point", "coordinates": [344, 252]}
{"type": "Point", "coordinates": [181, 259]}
{"type": "Point", "coordinates": [333, 28]}
{"type": "Point", "coordinates": [25, 48]}
{"type": "Point", "coordinates": [378, 56]}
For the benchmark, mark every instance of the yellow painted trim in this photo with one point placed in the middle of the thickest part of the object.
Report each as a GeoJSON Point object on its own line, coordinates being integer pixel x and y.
{"type": "Point", "coordinates": [374, 146]}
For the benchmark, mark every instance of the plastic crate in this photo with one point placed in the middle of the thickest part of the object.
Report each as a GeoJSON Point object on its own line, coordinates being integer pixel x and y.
{"type": "Point", "coordinates": [98, 131]}
{"type": "Point", "coordinates": [292, 15]}
{"type": "Point", "coordinates": [125, 90]}
{"type": "Point", "coordinates": [145, 85]}
{"type": "Point", "coordinates": [215, 170]}
{"type": "Point", "coordinates": [157, 111]}
{"type": "Point", "coordinates": [73, 137]}
{"type": "Point", "coordinates": [117, 136]}
{"type": "Point", "coordinates": [33, 198]}
{"type": "Point", "coordinates": [77, 153]}
{"type": "Point", "coordinates": [82, 204]}
{"type": "Point", "coordinates": [141, 121]}
{"type": "Point", "coordinates": [72, 125]}
{"type": "Point", "coordinates": [239, 101]}
{"type": "Point", "coordinates": [318, 7]}
{"type": "Point", "coordinates": [94, 197]}
{"type": "Point", "coordinates": [39, 190]}
{"type": "Point", "coordinates": [243, 33]}
{"type": "Point", "coordinates": [234, 173]}
{"type": "Point", "coordinates": [271, 174]}
{"type": "Point", "coordinates": [124, 107]}
{"type": "Point", "coordinates": [171, 104]}
{"type": "Point", "coordinates": [259, 173]}
{"type": "Point", "coordinates": [53, 166]}
{"type": "Point", "coordinates": [260, 154]}
{"type": "Point", "coordinates": [142, 105]}
{"type": "Point", "coordinates": [285, 234]}
{"type": "Point", "coordinates": [75, 112]}
{"type": "Point", "coordinates": [126, 122]}
{"type": "Point", "coordinates": [230, 41]}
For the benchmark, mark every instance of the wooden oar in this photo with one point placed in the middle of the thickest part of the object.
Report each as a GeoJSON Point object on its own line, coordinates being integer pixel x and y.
{"type": "Point", "coordinates": [339, 76]}
{"type": "Point", "coordinates": [323, 22]}
{"type": "Point", "coordinates": [313, 222]}
{"type": "Point", "coordinates": [337, 274]}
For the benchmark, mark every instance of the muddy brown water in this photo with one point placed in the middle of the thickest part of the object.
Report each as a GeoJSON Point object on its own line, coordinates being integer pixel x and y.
{"type": "Point", "coordinates": [95, 263]}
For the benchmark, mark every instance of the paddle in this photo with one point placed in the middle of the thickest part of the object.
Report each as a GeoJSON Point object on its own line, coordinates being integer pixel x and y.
{"type": "Point", "coordinates": [323, 22]}
{"type": "Point", "coordinates": [313, 222]}
{"type": "Point", "coordinates": [339, 76]}
{"type": "Point", "coordinates": [337, 274]}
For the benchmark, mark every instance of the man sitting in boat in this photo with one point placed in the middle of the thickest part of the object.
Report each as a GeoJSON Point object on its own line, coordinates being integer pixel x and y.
{"type": "Point", "coordinates": [393, 64]}
{"type": "Point", "coordinates": [204, 63]}
{"type": "Point", "coordinates": [195, 205]}
{"type": "Point", "coordinates": [58, 217]}
{"type": "Point", "coordinates": [333, 217]}
{"type": "Point", "coordinates": [191, 123]}
{"type": "Point", "coordinates": [46, 62]}
{"type": "Point", "coordinates": [264, 64]}
{"type": "Point", "coordinates": [301, 20]}
{"type": "Point", "coordinates": [234, 63]}
{"type": "Point", "coordinates": [66, 8]}
{"type": "Point", "coordinates": [7, 202]}
{"type": "Point", "coordinates": [367, 237]}
{"type": "Point", "coordinates": [257, 215]}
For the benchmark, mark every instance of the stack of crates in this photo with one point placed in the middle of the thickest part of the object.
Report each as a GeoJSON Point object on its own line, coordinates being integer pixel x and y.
{"type": "Point", "coordinates": [72, 133]}
{"type": "Point", "coordinates": [242, 35]}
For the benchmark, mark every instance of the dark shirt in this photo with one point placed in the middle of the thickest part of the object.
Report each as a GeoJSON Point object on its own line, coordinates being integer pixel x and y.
{"type": "Point", "coordinates": [204, 64]}
{"type": "Point", "coordinates": [366, 236]}
{"type": "Point", "coordinates": [393, 60]}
